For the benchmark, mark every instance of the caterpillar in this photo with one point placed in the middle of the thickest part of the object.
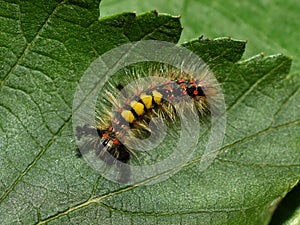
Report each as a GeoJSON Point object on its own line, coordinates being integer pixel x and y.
{"type": "Point", "coordinates": [162, 95]}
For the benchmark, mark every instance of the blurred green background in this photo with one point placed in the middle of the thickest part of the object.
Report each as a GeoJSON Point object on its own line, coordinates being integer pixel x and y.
{"type": "Point", "coordinates": [269, 26]}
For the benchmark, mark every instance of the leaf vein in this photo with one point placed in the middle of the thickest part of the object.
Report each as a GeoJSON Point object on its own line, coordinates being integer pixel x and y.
{"type": "Point", "coordinates": [27, 48]}
{"type": "Point", "coordinates": [34, 161]}
{"type": "Point", "coordinates": [252, 87]}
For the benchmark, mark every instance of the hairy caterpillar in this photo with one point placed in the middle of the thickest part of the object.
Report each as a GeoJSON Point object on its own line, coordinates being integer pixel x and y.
{"type": "Point", "coordinates": [162, 95]}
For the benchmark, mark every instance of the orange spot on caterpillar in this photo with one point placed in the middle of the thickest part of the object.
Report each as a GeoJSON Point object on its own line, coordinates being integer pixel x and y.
{"type": "Point", "coordinates": [128, 101]}
{"type": "Point", "coordinates": [151, 87]}
{"type": "Point", "coordinates": [181, 80]}
{"type": "Point", "coordinates": [138, 93]}
{"type": "Point", "coordinates": [105, 135]}
{"type": "Point", "coordinates": [116, 141]}
{"type": "Point", "coordinates": [169, 88]}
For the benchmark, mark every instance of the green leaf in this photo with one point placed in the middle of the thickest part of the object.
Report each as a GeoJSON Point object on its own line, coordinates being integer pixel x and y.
{"type": "Point", "coordinates": [46, 46]}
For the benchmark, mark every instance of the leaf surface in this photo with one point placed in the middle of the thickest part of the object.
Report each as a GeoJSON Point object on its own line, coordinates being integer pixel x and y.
{"type": "Point", "coordinates": [45, 48]}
